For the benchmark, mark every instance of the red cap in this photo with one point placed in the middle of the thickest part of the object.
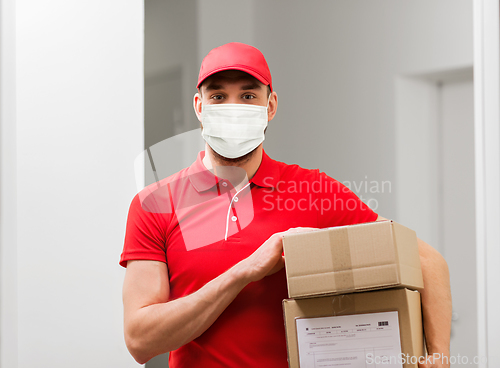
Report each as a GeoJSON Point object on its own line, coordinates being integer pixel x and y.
{"type": "Point", "coordinates": [236, 56]}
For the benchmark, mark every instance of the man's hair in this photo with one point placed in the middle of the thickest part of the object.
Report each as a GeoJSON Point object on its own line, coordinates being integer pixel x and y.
{"type": "Point", "coordinates": [268, 90]}
{"type": "Point", "coordinates": [242, 73]}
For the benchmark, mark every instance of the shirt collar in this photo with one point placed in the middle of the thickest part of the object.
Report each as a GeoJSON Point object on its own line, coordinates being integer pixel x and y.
{"type": "Point", "coordinates": [267, 174]}
{"type": "Point", "coordinates": [201, 178]}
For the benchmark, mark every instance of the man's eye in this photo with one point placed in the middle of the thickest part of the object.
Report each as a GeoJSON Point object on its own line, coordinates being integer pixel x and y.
{"type": "Point", "coordinates": [216, 97]}
{"type": "Point", "coordinates": [248, 97]}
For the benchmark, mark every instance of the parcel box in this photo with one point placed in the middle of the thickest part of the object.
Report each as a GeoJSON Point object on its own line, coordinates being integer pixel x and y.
{"type": "Point", "coordinates": [380, 328]}
{"type": "Point", "coordinates": [344, 259]}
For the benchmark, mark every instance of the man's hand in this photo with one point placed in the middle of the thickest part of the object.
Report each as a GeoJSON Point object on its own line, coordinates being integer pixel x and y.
{"type": "Point", "coordinates": [268, 258]}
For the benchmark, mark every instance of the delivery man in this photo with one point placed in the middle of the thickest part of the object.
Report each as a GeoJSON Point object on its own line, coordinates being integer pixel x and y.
{"type": "Point", "coordinates": [203, 248]}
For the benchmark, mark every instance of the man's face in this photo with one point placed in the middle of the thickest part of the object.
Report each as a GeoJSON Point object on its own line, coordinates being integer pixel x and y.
{"type": "Point", "coordinates": [234, 87]}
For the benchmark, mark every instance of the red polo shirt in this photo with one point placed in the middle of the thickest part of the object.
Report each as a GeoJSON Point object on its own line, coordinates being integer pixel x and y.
{"type": "Point", "coordinates": [201, 226]}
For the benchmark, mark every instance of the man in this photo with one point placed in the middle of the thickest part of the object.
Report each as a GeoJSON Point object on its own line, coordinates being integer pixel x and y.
{"type": "Point", "coordinates": [203, 249]}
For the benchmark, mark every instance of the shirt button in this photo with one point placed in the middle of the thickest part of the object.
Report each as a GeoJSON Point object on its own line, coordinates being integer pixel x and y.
{"type": "Point", "coordinates": [224, 184]}
{"type": "Point", "coordinates": [235, 199]}
{"type": "Point", "coordinates": [234, 218]}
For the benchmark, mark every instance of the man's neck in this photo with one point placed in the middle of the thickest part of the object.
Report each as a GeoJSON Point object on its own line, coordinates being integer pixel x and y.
{"type": "Point", "coordinates": [225, 170]}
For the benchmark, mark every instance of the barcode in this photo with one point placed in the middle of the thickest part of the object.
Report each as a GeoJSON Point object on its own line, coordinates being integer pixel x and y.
{"type": "Point", "coordinates": [383, 323]}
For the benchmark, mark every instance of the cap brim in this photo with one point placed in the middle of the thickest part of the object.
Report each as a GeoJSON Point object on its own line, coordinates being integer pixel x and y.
{"type": "Point", "coordinates": [244, 69]}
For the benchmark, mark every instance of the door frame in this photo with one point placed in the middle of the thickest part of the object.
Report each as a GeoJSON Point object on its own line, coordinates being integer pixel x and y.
{"type": "Point", "coordinates": [8, 196]}
{"type": "Point", "coordinates": [487, 163]}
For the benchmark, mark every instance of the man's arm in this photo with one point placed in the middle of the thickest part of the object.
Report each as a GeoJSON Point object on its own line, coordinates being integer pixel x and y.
{"type": "Point", "coordinates": [154, 325]}
{"type": "Point", "coordinates": [436, 299]}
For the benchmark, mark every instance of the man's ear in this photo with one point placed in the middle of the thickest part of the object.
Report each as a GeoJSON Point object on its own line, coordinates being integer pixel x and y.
{"type": "Point", "coordinates": [197, 105]}
{"type": "Point", "coordinates": [273, 106]}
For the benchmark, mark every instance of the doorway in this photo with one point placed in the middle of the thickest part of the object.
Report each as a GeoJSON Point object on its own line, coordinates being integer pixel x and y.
{"type": "Point", "coordinates": [435, 182]}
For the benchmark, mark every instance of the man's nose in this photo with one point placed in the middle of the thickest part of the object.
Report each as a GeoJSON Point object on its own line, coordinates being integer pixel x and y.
{"type": "Point", "coordinates": [232, 100]}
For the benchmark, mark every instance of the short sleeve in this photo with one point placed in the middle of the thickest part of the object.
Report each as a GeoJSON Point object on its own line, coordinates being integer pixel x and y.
{"type": "Point", "coordinates": [145, 234]}
{"type": "Point", "coordinates": [340, 206]}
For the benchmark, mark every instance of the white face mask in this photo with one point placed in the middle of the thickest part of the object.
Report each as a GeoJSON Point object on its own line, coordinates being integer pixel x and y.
{"type": "Point", "coordinates": [233, 130]}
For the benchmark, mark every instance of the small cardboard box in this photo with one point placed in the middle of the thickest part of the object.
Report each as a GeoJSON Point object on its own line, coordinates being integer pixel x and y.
{"type": "Point", "coordinates": [352, 258]}
{"type": "Point", "coordinates": [324, 347]}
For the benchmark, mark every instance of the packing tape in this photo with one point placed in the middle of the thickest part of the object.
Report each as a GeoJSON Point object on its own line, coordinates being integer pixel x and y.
{"type": "Point", "coordinates": [343, 304]}
{"type": "Point", "coordinates": [341, 258]}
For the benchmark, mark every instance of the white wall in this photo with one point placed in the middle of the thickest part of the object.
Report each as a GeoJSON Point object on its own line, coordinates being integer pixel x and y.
{"type": "Point", "coordinates": [79, 110]}
{"type": "Point", "coordinates": [8, 218]}
{"type": "Point", "coordinates": [223, 21]}
{"type": "Point", "coordinates": [166, 53]}
{"type": "Point", "coordinates": [417, 155]}
{"type": "Point", "coordinates": [334, 66]}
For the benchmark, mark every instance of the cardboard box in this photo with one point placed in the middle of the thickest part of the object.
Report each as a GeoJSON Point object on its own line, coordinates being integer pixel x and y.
{"type": "Point", "coordinates": [352, 258]}
{"type": "Point", "coordinates": [327, 343]}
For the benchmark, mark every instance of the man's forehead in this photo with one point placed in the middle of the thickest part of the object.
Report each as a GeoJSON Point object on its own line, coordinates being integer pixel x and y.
{"type": "Point", "coordinates": [231, 76]}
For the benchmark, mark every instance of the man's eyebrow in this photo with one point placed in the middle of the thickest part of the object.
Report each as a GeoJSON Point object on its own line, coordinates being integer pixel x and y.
{"type": "Point", "coordinates": [213, 87]}
{"type": "Point", "coordinates": [252, 85]}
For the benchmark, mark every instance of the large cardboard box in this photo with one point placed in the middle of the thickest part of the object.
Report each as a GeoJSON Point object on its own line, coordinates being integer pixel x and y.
{"type": "Point", "coordinates": [352, 258]}
{"type": "Point", "coordinates": [327, 340]}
